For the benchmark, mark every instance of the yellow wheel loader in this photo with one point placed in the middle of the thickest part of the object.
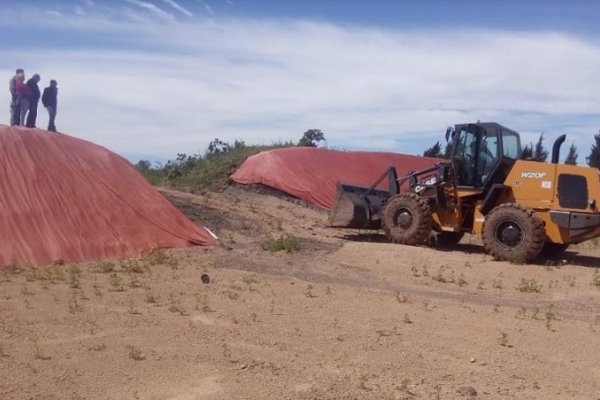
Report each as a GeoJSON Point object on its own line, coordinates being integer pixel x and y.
{"type": "Point", "coordinates": [520, 208]}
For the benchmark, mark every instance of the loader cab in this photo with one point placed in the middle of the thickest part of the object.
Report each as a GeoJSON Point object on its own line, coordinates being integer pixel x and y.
{"type": "Point", "coordinates": [483, 154]}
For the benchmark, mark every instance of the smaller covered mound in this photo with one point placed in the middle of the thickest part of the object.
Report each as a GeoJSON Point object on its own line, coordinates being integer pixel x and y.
{"type": "Point", "coordinates": [63, 198]}
{"type": "Point", "coordinates": [312, 174]}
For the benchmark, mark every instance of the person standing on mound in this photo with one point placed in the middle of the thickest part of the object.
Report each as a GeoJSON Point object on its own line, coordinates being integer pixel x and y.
{"type": "Point", "coordinates": [33, 93]}
{"type": "Point", "coordinates": [49, 100]}
{"type": "Point", "coordinates": [22, 93]}
{"type": "Point", "coordinates": [14, 103]}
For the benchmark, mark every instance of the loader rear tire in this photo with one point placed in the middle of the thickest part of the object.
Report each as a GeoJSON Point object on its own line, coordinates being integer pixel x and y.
{"type": "Point", "coordinates": [449, 239]}
{"type": "Point", "coordinates": [407, 219]}
{"type": "Point", "coordinates": [513, 233]}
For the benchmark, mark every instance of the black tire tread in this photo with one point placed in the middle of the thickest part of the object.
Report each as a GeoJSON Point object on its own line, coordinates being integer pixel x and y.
{"type": "Point", "coordinates": [421, 212]}
{"type": "Point", "coordinates": [534, 233]}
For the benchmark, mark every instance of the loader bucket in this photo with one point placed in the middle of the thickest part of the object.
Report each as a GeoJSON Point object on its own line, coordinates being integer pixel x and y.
{"type": "Point", "coordinates": [357, 207]}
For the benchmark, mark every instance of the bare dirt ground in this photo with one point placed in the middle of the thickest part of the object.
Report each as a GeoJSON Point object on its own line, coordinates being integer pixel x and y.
{"type": "Point", "coordinates": [346, 316]}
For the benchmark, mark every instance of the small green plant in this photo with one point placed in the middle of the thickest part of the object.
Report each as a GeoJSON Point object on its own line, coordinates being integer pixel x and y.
{"type": "Point", "coordinates": [402, 299]}
{"type": "Point", "coordinates": [529, 286]}
{"type": "Point", "coordinates": [285, 243]}
{"type": "Point", "coordinates": [309, 292]}
{"type": "Point", "coordinates": [74, 273]}
{"type": "Point", "coordinates": [116, 283]}
{"type": "Point", "coordinates": [596, 279]}
{"type": "Point", "coordinates": [550, 316]}
{"type": "Point", "coordinates": [135, 353]}
{"type": "Point", "coordinates": [519, 258]}
{"type": "Point", "coordinates": [106, 267]}
{"type": "Point", "coordinates": [503, 340]}
{"type": "Point", "coordinates": [150, 298]}
{"type": "Point", "coordinates": [176, 307]}
{"type": "Point", "coordinates": [37, 352]}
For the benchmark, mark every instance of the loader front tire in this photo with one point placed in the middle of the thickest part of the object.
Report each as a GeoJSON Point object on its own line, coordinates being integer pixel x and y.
{"type": "Point", "coordinates": [513, 233]}
{"type": "Point", "coordinates": [407, 219]}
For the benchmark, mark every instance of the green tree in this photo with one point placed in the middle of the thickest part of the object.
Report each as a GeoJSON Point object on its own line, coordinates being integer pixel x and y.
{"type": "Point", "coordinates": [434, 151]}
{"type": "Point", "coordinates": [572, 155]}
{"type": "Point", "coordinates": [448, 150]}
{"type": "Point", "coordinates": [527, 152]}
{"type": "Point", "coordinates": [143, 165]}
{"type": "Point", "coordinates": [311, 138]}
{"type": "Point", "coordinates": [540, 153]}
{"type": "Point", "coordinates": [594, 158]}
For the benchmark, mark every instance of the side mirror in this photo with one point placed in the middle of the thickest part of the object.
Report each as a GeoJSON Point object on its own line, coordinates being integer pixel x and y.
{"type": "Point", "coordinates": [450, 131]}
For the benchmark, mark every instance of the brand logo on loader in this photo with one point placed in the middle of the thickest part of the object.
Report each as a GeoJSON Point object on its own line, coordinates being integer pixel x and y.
{"type": "Point", "coordinates": [533, 175]}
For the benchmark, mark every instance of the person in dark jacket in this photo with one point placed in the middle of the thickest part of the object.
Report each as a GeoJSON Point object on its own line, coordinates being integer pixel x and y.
{"type": "Point", "coordinates": [49, 100]}
{"type": "Point", "coordinates": [15, 110]}
{"type": "Point", "coordinates": [33, 93]}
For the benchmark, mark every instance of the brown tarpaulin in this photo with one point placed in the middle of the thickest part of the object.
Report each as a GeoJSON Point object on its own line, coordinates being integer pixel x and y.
{"type": "Point", "coordinates": [65, 198]}
{"type": "Point", "coordinates": [312, 174]}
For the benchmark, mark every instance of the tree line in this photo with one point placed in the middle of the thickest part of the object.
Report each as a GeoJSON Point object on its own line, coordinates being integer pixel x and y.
{"type": "Point", "coordinates": [536, 152]}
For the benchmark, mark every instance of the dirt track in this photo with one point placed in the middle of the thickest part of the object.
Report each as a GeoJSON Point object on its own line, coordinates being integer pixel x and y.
{"type": "Point", "coordinates": [348, 316]}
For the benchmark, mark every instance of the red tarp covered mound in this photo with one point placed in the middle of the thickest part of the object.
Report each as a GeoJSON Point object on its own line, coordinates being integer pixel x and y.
{"type": "Point", "coordinates": [312, 174]}
{"type": "Point", "coordinates": [65, 198]}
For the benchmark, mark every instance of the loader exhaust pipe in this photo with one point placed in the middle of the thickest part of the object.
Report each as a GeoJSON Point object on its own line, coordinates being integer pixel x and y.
{"type": "Point", "coordinates": [556, 148]}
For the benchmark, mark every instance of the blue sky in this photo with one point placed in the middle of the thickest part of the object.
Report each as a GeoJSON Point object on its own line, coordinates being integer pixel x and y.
{"type": "Point", "coordinates": [153, 78]}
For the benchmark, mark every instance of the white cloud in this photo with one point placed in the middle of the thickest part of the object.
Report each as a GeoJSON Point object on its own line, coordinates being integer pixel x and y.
{"type": "Point", "coordinates": [178, 7]}
{"type": "Point", "coordinates": [54, 13]}
{"type": "Point", "coordinates": [176, 89]}
{"type": "Point", "coordinates": [152, 9]}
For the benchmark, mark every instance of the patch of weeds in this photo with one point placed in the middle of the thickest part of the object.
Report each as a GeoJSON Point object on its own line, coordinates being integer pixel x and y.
{"type": "Point", "coordinates": [519, 258]}
{"type": "Point", "coordinates": [328, 291]}
{"type": "Point", "coordinates": [529, 286]}
{"type": "Point", "coordinates": [116, 283]}
{"type": "Point", "coordinates": [73, 272]}
{"type": "Point", "coordinates": [550, 316]}
{"type": "Point", "coordinates": [176, 307]}
{"type": "Point", "coordinates": [364, 379]}
{"type": "Point", "coordinates": [497, 284]}
{"type": "Point", "coordinates": [570, 279]}
{"type": "Point", "coordinates": [98, 347]}
{"type": "Point", "coordinates": [134, 283]}
{"type": "Point", "coordinates": [415, 271]}
{"type": "Point", "coordinates": [462, 281]}
{"type": "Point", "coordinates": [521, 313]}
{"type": "Point", "coordinates": [596, 279]}
{"type": "Point", "coordinates": [151, 298]}
{"type": "Point", "coordinates": [402, 299]}
{"type": "Point", "coordinates": [232, 295]}
{"type": "Point", "coordinates": [73, 305]}
{"type": "Point", "coordinates": [309, 292]}
{"type": "Point", "coordinates": [37, 352]}
{"type": "Point", "coordinates": [503, 340]}
{"type": "Point", "coordinates": [132, 266]}
{"type": "Point", "coordinates": [25, 291]}
{"type": "Point", "coordinates": [133, 310]}
{"type": "Point", "coordinates": [135, 353]}
{"type": "Point", "coordinates": [440, 275]}
{"type": "Point", "coordinates": [106, 267]}
{"type": "Point", "coordinates": [407, 319]}
{"type": "Point", "coordinates": [285, 243]}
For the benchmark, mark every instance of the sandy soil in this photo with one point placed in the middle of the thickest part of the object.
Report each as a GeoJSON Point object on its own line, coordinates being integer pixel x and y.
{"type": "Point", "coordinates": [347, 316]}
